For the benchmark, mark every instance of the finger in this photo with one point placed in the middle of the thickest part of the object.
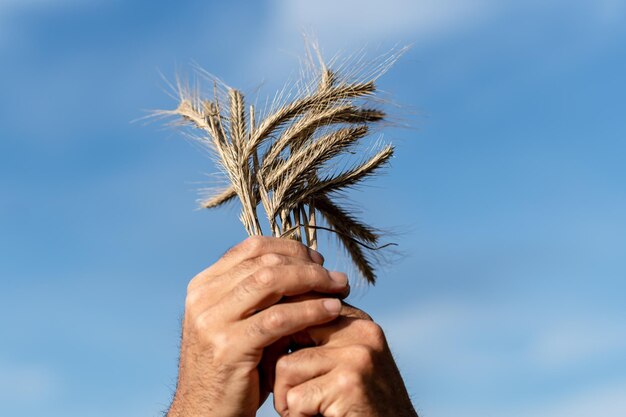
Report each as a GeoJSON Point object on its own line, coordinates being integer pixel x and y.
{"type": "Point", "coordinates": [219, 285]}
{"type": "Point", "coordinates": [268, 285]}
{"type": "Point", "coordinates": [353, 324]}
{"type": "Point", "coordinates": [336, 393]}
{"type": "Point", "coordinates": [267, 326]}
{"type": "Point", "coordinates": [298, 367]}
{"type": "Point", "coordinates": [318, 396]}
{"type": "Point", "coordinates": [364, 338]}
{"type": "Point", "coordinates": [255, 246]}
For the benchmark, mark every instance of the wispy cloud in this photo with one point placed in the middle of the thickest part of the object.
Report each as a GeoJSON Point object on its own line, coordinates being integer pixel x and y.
{"type": "Point", "coordinates": [419, 20]}
{"type": "Point", "coordinates": [341, 26]}
{"type": "Point", "coordinates": [369, 20]}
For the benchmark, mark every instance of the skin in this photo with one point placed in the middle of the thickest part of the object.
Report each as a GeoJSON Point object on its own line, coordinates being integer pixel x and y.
{"type": "Point", "coordinates": [244, 313]}
{"type": "Point", "coordinates": [348, 371]}
{"type": "Point", "coordinates": [232, 312]}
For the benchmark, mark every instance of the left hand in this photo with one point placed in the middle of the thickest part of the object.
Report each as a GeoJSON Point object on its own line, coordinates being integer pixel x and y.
{"type": "Point", "coordinates": [349, 371]}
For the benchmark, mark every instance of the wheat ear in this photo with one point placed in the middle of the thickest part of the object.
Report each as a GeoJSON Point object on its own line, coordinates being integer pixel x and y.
{"type": "Point", "coordinates": [285, 162]}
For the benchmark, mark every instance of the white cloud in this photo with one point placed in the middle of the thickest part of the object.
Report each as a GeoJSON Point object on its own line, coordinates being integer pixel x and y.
{"type": "Point", "coordinates": [342, 26]}
{"type": "Point", "coordinates": [420, 20]}
{"type": "Point", "coordinates": [346, 25]}
{"type": "Point", "coordinates": [371, 20]}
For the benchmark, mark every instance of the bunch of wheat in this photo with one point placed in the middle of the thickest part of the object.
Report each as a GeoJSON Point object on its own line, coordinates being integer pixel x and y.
{"type": "Point", "coordinates": [285, 161]}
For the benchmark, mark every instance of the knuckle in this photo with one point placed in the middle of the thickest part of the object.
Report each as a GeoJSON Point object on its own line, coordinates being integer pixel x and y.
{"type": "Point", "coordinates": [347, 380]}
{"type": "Point", "coordinates": [264, 277]}
{"type": "Point", "coordinates": [192, 300]}
{"type": "Point", "coordinates": [283, 364]}
{"type": "Point", "coordinates": [194, 282]}
{"type": "Point", "coordinates": [295, 396]}
{"type": "Point", "coordinates": [298, 396]}
{"type": "Point", "coordinates": [312, 312]}
{"type": "Point", "coordinates": [372, 333]}
{"type": "Point", "coordinates": [253, 244]}
{"type": "Point", "coordinates": [272, 259]}
{"type": "Point", "coordinates": [274, 320]}
{"type": "Point", "coordinates": [201, 325]}
{"type": "Point", "coordinates": [222, 345]}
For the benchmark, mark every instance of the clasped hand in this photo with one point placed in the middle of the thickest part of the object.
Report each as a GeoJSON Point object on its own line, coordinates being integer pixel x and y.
{"type": "Point", "coordinates": [267, 316]}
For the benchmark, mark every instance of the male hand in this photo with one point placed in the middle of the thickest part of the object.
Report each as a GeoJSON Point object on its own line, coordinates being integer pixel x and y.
{"type": "Point", "coordinates": [232, 313]}
{"type": "Point", "coordinates": [348, 372]}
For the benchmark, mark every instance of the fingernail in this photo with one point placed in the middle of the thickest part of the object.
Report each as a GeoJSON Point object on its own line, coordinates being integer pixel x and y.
{"type": "Point", "coordinates": [339, 277]}
{"type": "Point", "coordinates": [332, 305]}
{"type": "Point", "coordinates": [316, 256]}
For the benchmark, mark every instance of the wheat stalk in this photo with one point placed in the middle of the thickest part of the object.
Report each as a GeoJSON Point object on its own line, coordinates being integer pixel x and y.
{"type": "Point", "coordinates": [284, 161]}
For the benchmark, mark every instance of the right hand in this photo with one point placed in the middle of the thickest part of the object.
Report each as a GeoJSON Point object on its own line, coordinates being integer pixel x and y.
{"type": "Point", "coordinates": [233, 311]}
{"type": "Point", "coordinates": [343, 369]}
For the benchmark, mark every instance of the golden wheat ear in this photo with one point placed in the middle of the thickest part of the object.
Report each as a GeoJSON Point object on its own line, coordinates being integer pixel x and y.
{"type": "Point", "coordinates": [287, 161]}
{"type": "Point", "coordinates": [221, 198]}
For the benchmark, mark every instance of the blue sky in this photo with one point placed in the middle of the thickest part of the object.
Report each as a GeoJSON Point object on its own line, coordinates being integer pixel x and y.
{"type": "Point", "coordinates": [509, 193]}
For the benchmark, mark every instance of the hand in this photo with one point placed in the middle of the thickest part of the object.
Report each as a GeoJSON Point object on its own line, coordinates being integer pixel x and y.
{"type": "Point", "coordinates": [348, 372]}
{"type": "Point", "coordinates": [233, 311]}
